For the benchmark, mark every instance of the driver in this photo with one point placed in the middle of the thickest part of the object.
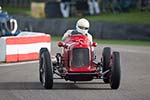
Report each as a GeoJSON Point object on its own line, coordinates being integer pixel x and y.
{"type": "Point", "coordinates": [8, 25]}
{"type": "Point", "coordinates": [82, 27]}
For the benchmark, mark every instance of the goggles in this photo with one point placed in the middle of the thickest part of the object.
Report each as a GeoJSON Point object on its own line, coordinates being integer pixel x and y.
{"type": "Point", "coordinates": [84, 28]}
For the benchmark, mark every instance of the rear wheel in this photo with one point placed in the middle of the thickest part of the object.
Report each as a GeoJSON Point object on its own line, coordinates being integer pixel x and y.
{"type": "Point", "coordinates": [106, 60]}
{"type": "Point", "coordinates": [115, 71]}
{"type": "Point", "coordinates": [46, 72]}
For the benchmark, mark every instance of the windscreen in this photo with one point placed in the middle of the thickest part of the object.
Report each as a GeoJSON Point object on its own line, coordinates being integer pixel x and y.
{"type": "Point", "coordinates": [80, 57]}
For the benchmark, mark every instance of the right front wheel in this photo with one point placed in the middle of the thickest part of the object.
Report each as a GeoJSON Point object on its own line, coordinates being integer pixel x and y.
{"type": "Point", "coordinates": [115, 71]}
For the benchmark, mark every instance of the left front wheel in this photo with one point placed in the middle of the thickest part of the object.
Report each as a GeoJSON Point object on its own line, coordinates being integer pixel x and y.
{"type": "Point", "coordinates": [45, 69]}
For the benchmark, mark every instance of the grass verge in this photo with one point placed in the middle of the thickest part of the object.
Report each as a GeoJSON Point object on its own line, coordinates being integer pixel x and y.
{"type": "Point", "coordinates": [134, 16]}
{"type": "Point", "coordinates": [17, 10]}
{"type": "Point", "coordinates": [115, 42]}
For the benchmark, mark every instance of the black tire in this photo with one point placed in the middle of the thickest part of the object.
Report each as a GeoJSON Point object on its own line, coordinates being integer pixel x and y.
{"type": "Point", "coordinates": [115, 71]}
{"type": "Point", "coordinates": [46, 71]}
{"type": "Point", "coordinates": [106, 60]}
{"type": "Point", "coordinates": [41, 62]}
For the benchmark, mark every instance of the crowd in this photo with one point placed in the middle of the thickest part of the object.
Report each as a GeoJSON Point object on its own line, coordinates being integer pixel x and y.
{"type": "Point", "coordinates": [89, 6]}
{"type": "Point", "coordinates": [95, 7]}
{"type": "Point", "coordinates": [144, 4]}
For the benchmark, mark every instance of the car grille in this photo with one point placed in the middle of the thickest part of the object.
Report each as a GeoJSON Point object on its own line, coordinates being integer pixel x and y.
{"type": "Point", "coordinates": [80, 57]}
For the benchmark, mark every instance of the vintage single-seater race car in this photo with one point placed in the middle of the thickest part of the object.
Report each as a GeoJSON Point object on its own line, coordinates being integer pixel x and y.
{"type": "Point", "coordinates": [77, 63]}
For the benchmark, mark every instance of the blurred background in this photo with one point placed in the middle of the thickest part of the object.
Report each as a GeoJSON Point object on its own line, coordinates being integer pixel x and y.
{"type": "Point", "coordinates": [110, 19]}
{"type": "Point", "coordinates": [72, 8]}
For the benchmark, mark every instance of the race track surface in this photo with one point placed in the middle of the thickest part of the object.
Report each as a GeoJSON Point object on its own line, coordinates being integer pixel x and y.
{"type": "Point", "coordinates": [20, 81]}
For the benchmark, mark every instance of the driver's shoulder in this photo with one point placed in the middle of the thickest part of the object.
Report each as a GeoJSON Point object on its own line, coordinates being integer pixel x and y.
{"type": "Point", "coordinates": [89, 34]}
{"type": "Point", "coordinates": [69, 30]}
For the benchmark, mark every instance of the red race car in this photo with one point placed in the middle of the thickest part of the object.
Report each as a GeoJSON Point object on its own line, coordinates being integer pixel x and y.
{"type": "Point", "coordinates": [77, 63]}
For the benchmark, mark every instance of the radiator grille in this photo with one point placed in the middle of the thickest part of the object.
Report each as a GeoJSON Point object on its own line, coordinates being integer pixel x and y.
{"type": "Point", "coordinates": [80, 57]}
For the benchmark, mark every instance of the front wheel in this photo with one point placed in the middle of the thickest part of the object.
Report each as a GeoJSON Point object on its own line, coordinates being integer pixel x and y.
{"type": "Point", "coordinates": [106, 61]}
{"type": "Point", "coordinates": [46, 72]}
{"type": "Point", "coordinates": [115, 71]}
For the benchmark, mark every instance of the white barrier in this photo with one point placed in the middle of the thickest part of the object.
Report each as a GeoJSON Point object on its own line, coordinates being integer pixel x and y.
{"type": "Point", "coordinates": [25, 46]}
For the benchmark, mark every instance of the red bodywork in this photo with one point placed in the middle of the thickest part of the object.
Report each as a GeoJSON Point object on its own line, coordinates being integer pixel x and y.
{"type": "Point", "coordinates": [78, 43]}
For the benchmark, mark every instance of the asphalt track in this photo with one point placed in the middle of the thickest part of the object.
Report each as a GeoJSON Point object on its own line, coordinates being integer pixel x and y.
{"type": "Point", "coordinates": [19, 81]}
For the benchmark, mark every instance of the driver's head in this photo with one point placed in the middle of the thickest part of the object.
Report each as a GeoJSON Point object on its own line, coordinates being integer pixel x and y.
{"type": "Point", "coordinates": [82, 25]}
{"type": "Point", "coordinates": [12, 25]}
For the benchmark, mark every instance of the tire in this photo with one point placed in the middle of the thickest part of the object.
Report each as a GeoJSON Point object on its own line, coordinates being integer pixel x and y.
{"type": "Point", "coordinates": [115, 71]}
{"type": "Point", "coordinates": [46, 72]}
{"type": "Point", "coordinates": [106, 60]}
{"type": "Point", "coordinates": [41, 62]}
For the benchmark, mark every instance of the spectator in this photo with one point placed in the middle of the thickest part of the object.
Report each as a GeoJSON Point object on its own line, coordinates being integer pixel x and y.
{"type": "Point", "coordinates": [144, 4]}
{"type": "Point", "coordinates": [115, 6]}
{"type": "Point", "coordinates": [125, 5]}
{"type": "Point", "coordinates": [65, 8]}
{"type": "Point", "coordinates": [82, 7]}
{"type": "Point", "coordinates": [93, 7]}
{"type": "Point", "coordinates": [106, 4]}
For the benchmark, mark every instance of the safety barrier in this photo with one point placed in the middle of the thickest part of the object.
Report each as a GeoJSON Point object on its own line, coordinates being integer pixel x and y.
{"type": "Point", "coordinates": [25, 46]}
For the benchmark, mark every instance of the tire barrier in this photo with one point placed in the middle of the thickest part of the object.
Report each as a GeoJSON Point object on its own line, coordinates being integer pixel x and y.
{"type": "Point", "coordinates": [24, 47]}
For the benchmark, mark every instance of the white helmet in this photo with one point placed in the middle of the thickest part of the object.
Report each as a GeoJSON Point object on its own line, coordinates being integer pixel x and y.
{"type": "Point", "coordinates": [82, 25]}
{"type": "Point", "coordinates": [11, 26]}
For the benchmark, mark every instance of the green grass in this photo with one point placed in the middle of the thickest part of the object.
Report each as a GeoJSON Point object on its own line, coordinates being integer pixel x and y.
{"type": "Point", "coordinates": [115, 42]}
{"type": "Point", "coordinates": [17, 10]}
{"type": "Point", "coordinates": [130, 17]}
{"type": "Point", "coordinates": [134, 16]}
{"type": "Point", "coordinates": [124, 42]}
